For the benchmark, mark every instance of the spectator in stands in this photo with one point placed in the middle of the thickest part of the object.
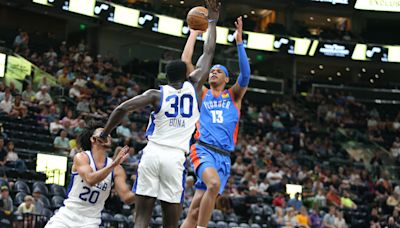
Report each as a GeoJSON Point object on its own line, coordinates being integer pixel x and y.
{"type": "Point", "coordinates": [27, 206]}
{"type": "Point", "coordinates": [3, 153]}
{"type": "Point", "coordinates": [302, 219]}
{"type": "Point", "coordinates": [189, 188]}
{"type": "Point", "coordinates": [12, 158]}
{"type": "Point", "coordinates": [278, 218]}
{"type": "Point", "coordinates": [295, 202]}
{"type": "Point", "coordinates": [6, 205]}
{"type": "Point", "coordinates": [290, 218]}
{"type": "Point", "coordinates": [6, 104]}
{"type": "Point", "coordinates": [123, 130]}
{"type": "Point", "coordinates": [56, 126]}
{"type": "Point", "coordinates": [21, 42]}
{"type": "Point", "coordinates": [223, 203]}
{"type": "Point", "coordinates": [315, 218]}
{"type": "Point", "coordinates": [330, 218]}
{"type": "Point", "coordinates": [43, 97]}
{"type": "Point", "coordinates": [346, 202]}
{"type": "Point", "coordinates": [18, 110]}
{"type": "Point", "coordinates": [339, 220]}
{"type": "Point", "coordinates": [28, 95]}
{"type": "Point", "coordinates": [39, 206]}
{"type": "Point", "coordinates": [61, 143]}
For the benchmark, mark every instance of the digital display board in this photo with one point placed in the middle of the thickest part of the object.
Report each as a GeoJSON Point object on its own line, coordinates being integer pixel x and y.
{"type": "Point", "coordinates": [334, 49]}
{"type": "Point", "coordinates": [333, 2]}
{"type": "Point", "coordinates": [258, 41]}
{"type": "Point", "coordinates": [2, 64]}
{"type": "Point", "coordinates": [55, 168]}
{"type": "Point", "coordinates": [85, 7]}
{"type": "Point", "coordinates": [378, 5]}
{"type": "Point", "coordinates": [18, 68]}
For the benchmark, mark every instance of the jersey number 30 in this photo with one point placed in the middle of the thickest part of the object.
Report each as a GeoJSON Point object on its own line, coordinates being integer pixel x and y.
{"type": "Point", "coordinates": [87, 195]}
{"type": "Point", "coordinates": [179, 105]}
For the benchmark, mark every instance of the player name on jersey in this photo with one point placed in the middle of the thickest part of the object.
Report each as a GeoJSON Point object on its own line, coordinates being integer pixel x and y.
{"type": "Point", "coordinates": [217, 104]}
{"type": "Point", "coordinates": [177, 122]}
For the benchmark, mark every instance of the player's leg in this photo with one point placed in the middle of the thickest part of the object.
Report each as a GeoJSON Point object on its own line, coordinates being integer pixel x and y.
{"type": "Point", "coordinates": [144, 209]}
{"type": "Point", "coordinates": [172, 185]}
{"type": "Point", "coordinates": [171, 214]}
{"type": "Point", "coordinates": [147, 185]}
{"type": "Point", "coordinates": [193, 213]}
{"type": "Point", "coordinates": [211, 179]}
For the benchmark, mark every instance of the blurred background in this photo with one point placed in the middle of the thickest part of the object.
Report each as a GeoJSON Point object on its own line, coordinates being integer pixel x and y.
{"type": "Point", "coordinates": [321, 117]}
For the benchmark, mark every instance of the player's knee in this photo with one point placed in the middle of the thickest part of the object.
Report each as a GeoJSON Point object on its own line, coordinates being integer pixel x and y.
{"type": "Point", "coordinates": [194, 214]}
{"type": "Point", "coordinates": [214, 186]}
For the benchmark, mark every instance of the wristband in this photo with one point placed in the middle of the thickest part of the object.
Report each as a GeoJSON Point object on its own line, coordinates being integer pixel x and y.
{"type": "Point", "coordinates": [212, 20]}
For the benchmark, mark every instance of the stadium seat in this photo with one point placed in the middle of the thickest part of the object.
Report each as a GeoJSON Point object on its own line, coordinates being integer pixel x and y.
{"type": "Point", "coordinates": [255, 225]}
{"type": "Point", "coordinates": [217, 216]}
{"type": "Point", "coordinates": [41, 186]}
{"type": "Point", "coordinates": [106, 219]}
{"type": "Point", "coordinates": [45, 201]}
{"type": "Point", "coordinates": [122, 220]}
{"type": "Point", "coordinates": [47, 212]}
{"type": "Point", "coordinates": [255, 210]}
{"type": "Point", "coordinates": [268, 211]}
{"type": "Point", "coordinates": [211, 224]}
{"type": "Point", "coordinates": [233, 224]}
{"type": "Point", "coordinates": [244, 225]}
{"type": "Point", "coordinates": [19, 198]}
{"type": "Point", "coordinates": [158, 221]}
{"type": "Point", "coordinates": [58, 190]}
{"type": "Point", "coordinates": [57, 202]}
{"type": "Point", "coordinates": [222, 224]}
{"type": "Point", "coordinates": [232, 217]}
{"type": "Point", "coordinates": [21, 186]}
{"type": "Point", "coordinates": [157, 211]}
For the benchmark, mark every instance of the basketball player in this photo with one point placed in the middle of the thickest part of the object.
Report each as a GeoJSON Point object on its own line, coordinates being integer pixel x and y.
{"type": "Point", "coordinates": [216, 133]}
{"type": "Point", "coordinates": [93, 174]}
{"type": "Point", "coordinates": [161, 172]}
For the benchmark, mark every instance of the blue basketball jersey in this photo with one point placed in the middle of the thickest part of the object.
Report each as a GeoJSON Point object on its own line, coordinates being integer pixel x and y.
{"type": "Point", "coordinates": [219, 120]}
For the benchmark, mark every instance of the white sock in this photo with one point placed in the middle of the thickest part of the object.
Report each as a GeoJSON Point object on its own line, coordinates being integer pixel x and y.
{"type": "Point", "coordinates": [200, 227]}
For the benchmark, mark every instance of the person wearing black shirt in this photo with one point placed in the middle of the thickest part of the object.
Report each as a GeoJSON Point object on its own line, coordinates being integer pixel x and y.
{"type": "Point", "coordinates": [3, 153]}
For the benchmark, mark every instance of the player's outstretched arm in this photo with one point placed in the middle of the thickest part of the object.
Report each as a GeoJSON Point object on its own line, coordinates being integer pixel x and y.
{"type": "Point", "coordinates": [82, 166]}
{"type": "Point", "coordinates": [187, 54]}
{"type": "Point", "coordinates": [199, 76]}
{"type": "Point", "coordinates": [150, 97]}
{"type": "Point", "coordinates": [240, 87]}
{"type": "Point", "coordinates": [121, 187]}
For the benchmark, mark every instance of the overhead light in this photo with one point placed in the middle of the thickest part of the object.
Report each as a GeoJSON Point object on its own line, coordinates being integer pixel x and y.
{"type": "Point", "coordinates": [338, 74]}
{"type": "Point", "coordinates": [253, 12]}
{"type": "Point", "coordinates": [245, 16]}
{"type": "Point", "coordinates": [363, 70]}
{"type": "Point", "coordinates": [330, 78]}
{"type": "Point", "coordinates": [347, 69]}
{"type": "Point", "coordinates": [321, 67]}
{"type": "Point", "coordinates": [359, 75]}
{"type": "Point", "coordinates": [182, 2]}
{"type": "Point", "coordinates": [376, 76]}
{"type": "Point", "coordinates": [371, 81]}
{"type": "Point", "coordinates": [382, 71]}
{"type": "Point", "coordinates": [312, 71]}
{"type": "Point", "coordinates": [328, 19]}
{"type": "Point", "coordinates": [311, 18]}
{"type": "Point", "coordinates": [170, 5]}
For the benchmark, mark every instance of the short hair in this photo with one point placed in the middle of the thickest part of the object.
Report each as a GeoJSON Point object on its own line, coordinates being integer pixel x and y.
{"type": "Point", "coordinates": [176, 71]}
{"type": "Point", "coordinates": [87, 133]}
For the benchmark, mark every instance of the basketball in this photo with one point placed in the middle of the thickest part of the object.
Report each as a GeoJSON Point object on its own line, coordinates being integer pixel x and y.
{"type": "Point", "coordinates": [197, 18]}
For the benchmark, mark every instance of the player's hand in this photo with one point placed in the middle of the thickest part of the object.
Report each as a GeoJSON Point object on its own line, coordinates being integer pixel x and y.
{"type": "Point", "coordinates": [196, 32]}
{"type": "Point", "coordinates": [121, 157]}
{"type": "Point", "coordinates": [239, 30]}
{"type": "Point", "coordinates": [213, 7]}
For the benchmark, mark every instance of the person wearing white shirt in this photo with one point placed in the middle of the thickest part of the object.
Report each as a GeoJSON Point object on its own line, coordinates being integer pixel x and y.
{"type": "Point", "coordinates": [43, 96]}
{"type": "Point", "coordinates": [274, 176]}
{"type": "Point", "coordinates": [6, 104]}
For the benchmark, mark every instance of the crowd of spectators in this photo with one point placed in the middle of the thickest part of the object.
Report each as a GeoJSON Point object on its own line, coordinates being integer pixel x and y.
{"type": "Point", "coordinates": [277, 145]}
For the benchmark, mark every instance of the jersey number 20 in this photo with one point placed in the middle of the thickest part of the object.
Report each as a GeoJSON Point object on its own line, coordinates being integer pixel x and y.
{"type": "Point", "coordinates": [87, 195]}
{"type": "Point", "coordinates": [178, 106]}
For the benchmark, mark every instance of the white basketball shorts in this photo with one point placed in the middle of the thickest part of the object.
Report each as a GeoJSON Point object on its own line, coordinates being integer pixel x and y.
{"type": "Point", "coordinates": [161, 173]}
{"type": "Point", "coordinates": [68, 218]}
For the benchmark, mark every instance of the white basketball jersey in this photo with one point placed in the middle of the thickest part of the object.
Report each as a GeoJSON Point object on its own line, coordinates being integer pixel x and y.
{"type": "Point", "coordinates": [173, 123]}
{"type": "Point", "coordinates": [84, 199]}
